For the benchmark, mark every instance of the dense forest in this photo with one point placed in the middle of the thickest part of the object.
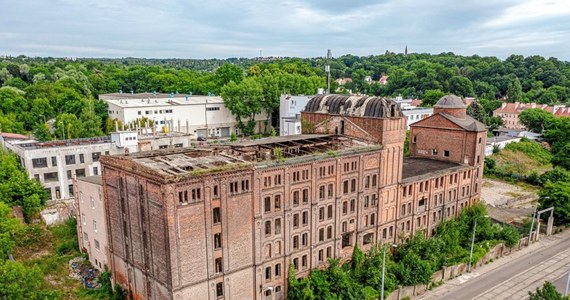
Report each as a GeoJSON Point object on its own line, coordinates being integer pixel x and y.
{"type": "Point", "coordinates": [36, 90]}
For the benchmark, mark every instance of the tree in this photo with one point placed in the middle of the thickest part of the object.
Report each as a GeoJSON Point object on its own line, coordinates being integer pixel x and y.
{"type": "Point", "coordinates": [493, 123]}
{"type": "Point", "coordinates": [514, 90]}
{"type": "Point", "coordinates": [557, 194]}
{"type": "Point", "coordinates": [20, 282]}
{"type": "Point", "coordinates": [244, 100]}
{"type": "Point", "coordinates": [229, 72]}
{"type": "Point", "coordinates": [561, 157]}
{"type": "Point", "coordinates": [555, 175]}
{"type": "Point", "coordinates": [536, 119]}
{"type": "Point", "coordinates": [546, 292]}
{"type": "Point", "coordinates": [462, 86]}
{"type": "Point", "coordinates": [509, 235]}
{"type": "Point", "coordinates": [67, 126]}
{"type": "Point", "coordinates": [16, 188]}
{"type": "Point", "coordinates": [357, 260]}
{"type": "Point", "coordinates": [413, 270]}
{"type": "Point", "coordinates": [41, 133]}
{"type": "Point", "coordinates": [90, 121]}
{"type": "Point", "coordinates": [476, 111]}
{"type": "Point", "coordinates": [431, 97]}
{"type": "Point", "coordinates": [8, 227]}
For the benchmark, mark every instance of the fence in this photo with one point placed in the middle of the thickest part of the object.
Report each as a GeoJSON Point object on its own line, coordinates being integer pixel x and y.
{"type": "Point", "coordinates": [450, 272]}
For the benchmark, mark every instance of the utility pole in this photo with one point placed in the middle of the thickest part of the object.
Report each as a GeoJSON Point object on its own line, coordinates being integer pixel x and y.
{"type": "Point", "coordinates": [328, 70]}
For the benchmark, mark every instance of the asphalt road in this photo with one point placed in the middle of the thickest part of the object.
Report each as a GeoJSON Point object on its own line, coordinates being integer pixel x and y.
{"type": "Point", "coordinates": [514, 279]}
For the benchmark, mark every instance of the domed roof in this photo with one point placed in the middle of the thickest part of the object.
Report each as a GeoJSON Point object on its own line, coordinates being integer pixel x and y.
{"type": "Point", "coordinates": [450, 101]}
{"type": "Point", "coordinates": [357, 106]}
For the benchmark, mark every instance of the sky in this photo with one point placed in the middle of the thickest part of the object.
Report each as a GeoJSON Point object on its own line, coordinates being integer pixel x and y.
{"type": "Point", "coordinates": [246, 28]}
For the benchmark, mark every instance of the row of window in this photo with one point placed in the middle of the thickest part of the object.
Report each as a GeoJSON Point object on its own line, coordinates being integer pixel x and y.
{"type": "Point", "coordinates": [149, 112]}
{"type": "Point", "coordinates": [235, 186]}
{"type": "Point", "coordinates": [42, 162]}
{"type": "Point", "coordinates": [301, 175]}
{"type": "Point", "coordinates": [326, 171]}
{"type": "Point", "coordinates": [269, 227]}
{"type": "Point", "coordinates": [54, 177]}
{"type": "Point", "coordinates": [269, 181]}
{"type": "Point", "coordinates": [272, 270]}
{"type": "Point", "coordinates": [438, 183]}
{"type": "Point", "coordinates": [195, 196]}
{"type": "Point", "coordinates": [350, 166]}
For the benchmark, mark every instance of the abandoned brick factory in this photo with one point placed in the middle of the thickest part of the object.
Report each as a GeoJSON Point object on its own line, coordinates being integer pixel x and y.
{"type": "Point", "coordinates": [227, 220]}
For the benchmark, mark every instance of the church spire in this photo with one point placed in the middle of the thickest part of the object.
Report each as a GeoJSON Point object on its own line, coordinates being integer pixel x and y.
{"type": "Point", "coordinates": [406, 51]}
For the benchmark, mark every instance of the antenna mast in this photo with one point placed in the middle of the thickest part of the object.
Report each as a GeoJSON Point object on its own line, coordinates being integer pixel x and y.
{"type": "Point", "coordinates": [328, 70]}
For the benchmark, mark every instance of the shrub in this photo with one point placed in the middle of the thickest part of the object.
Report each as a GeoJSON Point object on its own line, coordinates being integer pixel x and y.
{"type": "Point", "coordinates": [532, 149]}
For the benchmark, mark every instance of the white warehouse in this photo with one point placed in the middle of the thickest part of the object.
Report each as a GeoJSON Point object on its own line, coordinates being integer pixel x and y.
{"type": "Point", "coordinates": [202, 116]}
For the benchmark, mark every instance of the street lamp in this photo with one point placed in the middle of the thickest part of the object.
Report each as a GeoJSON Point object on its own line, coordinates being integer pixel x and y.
{"type": "Point", "coordinates": [531, 226]}
{"type": "Point", "coordinates": [384, 269]}
{"type": "Point", "coordinates": [532, 222]}
{"type": "Point", "coordinates": [473, 242]}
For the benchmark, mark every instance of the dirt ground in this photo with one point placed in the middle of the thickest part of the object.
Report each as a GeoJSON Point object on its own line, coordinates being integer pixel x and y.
{"type": "Point", "coordinates": [507, 202]}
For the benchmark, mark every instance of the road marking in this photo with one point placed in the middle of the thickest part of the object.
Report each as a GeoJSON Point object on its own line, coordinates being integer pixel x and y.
{"type": "Point", "coordinates": [468, 276]}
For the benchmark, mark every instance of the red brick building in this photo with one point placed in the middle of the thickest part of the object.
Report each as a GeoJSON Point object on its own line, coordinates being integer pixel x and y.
{"type": "Point", "coordinates": [227, 221]}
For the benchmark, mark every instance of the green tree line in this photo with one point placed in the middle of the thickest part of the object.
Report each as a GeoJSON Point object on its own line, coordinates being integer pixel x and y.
{"type": "Point", "coordinates": [412, 263]}
{"type": "Point", "coordinates": [35, 90]}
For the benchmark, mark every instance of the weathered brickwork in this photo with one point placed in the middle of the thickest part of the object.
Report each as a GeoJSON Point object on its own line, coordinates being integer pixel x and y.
{"type": "Point", "coordinates": [233, 233]}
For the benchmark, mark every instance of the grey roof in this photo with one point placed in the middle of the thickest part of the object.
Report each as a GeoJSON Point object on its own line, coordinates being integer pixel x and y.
{"type": "Point", "coordinates": [415, 168]}
{"type": "Point", "coordinates": [469, 123]}
{"type": "Point", "coordinates": [91, 179]}
{"type": "Point", "coordinates": [450, 101]}
{"type": "Point", "coordinates": [358, 106]}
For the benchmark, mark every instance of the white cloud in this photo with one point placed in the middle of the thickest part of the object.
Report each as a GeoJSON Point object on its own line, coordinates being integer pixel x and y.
{"type": "Point", "coordinates": [236, 28]}
{"type": "Point", "coordinates": [531, 11]}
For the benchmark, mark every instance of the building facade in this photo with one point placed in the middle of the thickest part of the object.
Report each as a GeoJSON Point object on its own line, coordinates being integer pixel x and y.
{"type": "Point", "coordinates": [202, 116]}
{"type": "Point", "coordinates": [54, 163]}
{"type": "Point", "coordinates": [510, 112]}
{"type": "Point", "coordinates": [91, 224]}
{"type": "Point", "coordinates": [412, 111]}
{"type": "Point", "coordinates": [290, 108]}
{"type": "Point", "coordinates": [227, 222]}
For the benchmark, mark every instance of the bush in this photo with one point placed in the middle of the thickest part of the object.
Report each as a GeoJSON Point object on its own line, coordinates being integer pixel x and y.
{"type": "Point", "coordinates": [532, 149]}
{"type": "Point", "coordinates": [66, 235]}
{"type": "Point", "coordinates": [509, 235]}
{"type": "Point", "coordinates": [546, 292]}
{"type": "Point", "coordinates": [555, 175]}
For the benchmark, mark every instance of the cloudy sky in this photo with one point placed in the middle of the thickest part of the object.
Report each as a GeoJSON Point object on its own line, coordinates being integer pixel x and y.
{"type": "Point", "coordinates": [305, 28]}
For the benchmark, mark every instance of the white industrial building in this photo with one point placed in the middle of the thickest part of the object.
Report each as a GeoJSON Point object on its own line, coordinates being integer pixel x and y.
{"type": "Point", "coordinates": [412, 112]}
{"type": "Point", "coordinates": [202, 116]}
{"type": "Point", "coordinates": [290, 108]}
{"type": "Point", "coordinates": [54, 163]}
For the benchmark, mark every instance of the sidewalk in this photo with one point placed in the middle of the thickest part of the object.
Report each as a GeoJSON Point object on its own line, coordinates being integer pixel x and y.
{"type": "Point", "coordinates": [543, 243]}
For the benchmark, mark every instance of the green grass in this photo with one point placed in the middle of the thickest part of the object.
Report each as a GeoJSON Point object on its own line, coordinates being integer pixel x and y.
{"type": "Point", "coordinates": [51, 249]}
